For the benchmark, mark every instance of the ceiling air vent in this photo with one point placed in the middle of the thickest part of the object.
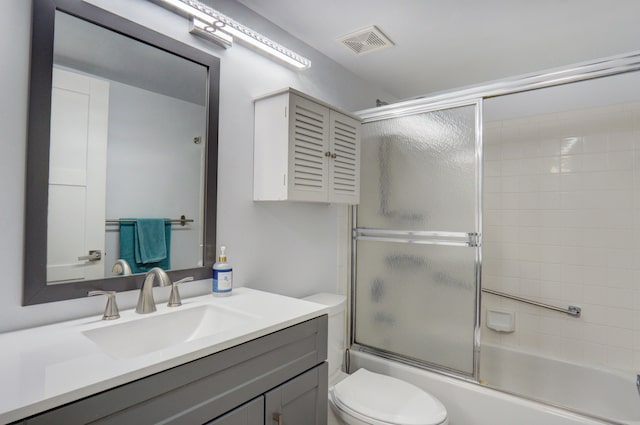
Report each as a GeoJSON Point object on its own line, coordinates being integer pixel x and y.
{"type": "Point", "coordinates": [366, 40]}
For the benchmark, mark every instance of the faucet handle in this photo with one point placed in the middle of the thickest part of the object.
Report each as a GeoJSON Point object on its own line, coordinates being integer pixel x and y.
{"type": "Point", "coordinates": [111, 310]}
{"type": "Point", "coordinates": [174, 298]}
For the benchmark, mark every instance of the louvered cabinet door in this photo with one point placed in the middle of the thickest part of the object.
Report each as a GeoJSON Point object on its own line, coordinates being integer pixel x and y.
{"type": "Point", "coordinates": [304, 150]}
{"type": "Point", "coordinates": [308, 147]}
{"type": "Point", "coordinates": [344, 164]}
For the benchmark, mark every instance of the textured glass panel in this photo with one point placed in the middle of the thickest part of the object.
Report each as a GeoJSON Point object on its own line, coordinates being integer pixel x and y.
{"type": "Point", "coordinates": [418, 172]}
{"type": "Point", "coordinates": [417, 301]}
{"type": "Point", "coordinates": [561, 217]}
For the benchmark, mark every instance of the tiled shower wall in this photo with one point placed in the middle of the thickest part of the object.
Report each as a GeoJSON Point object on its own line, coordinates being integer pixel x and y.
{"type": "Point", "coordinates": [562, 226]}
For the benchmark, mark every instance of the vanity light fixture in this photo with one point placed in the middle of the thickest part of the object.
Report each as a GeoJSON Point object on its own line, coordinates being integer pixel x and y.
{"type": "Point", "coordinates": [221, 29]}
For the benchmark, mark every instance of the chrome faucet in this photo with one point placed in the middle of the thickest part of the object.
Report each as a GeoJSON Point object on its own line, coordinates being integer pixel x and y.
{"type": "Point", "coordinates": [146, 303]}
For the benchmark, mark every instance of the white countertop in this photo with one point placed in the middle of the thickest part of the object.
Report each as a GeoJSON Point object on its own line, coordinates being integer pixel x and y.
{"type": "Point", "coordinates": [45, 367]}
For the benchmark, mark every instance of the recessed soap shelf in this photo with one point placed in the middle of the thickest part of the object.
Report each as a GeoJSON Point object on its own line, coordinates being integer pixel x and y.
{"type": "Point", "coordinates": [501, 320]}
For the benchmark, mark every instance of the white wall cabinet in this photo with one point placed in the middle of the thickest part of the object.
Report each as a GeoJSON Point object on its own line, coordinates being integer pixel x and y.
{"type": "Point", "coordinates": [305, 150]}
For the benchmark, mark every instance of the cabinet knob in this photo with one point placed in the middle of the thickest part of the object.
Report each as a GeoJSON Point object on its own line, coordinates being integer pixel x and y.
{"type": "Point", "coordinates": [277, 418]}
{"type": "Point", "coordinates": [327, 154]}
{"type": "Point", "coordinates": [334, 156]}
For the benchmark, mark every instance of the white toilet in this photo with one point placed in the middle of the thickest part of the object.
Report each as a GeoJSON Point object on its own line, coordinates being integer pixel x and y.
{"type": "Point", "coordinates": [367, 398]}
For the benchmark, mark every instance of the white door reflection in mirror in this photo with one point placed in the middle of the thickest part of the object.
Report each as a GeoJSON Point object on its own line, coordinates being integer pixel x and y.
{"type": "Point", "coordinates": [77, 176]}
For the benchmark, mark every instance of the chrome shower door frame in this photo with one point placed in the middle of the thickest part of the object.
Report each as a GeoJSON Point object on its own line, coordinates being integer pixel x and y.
{"type": "Point", "coordinates": [588, 70]}
{"type": "Point", "coordinates": [471, 239]}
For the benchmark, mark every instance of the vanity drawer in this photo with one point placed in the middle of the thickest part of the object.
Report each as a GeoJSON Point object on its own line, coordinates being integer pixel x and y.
{"type": "Point", "coordinates": [204, 389]}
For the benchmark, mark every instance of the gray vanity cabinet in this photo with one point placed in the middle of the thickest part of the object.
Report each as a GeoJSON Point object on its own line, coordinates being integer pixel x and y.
{"type": "Point", "coordinates": [296, 402]}
{"type": "Point", "coordinates": [283, 373]}
{"type": "Point", "coordinates": [300, 401]}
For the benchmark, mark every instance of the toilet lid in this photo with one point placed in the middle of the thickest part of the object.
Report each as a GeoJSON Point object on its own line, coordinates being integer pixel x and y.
{"type": "Point", "coordinates": [386, 400]}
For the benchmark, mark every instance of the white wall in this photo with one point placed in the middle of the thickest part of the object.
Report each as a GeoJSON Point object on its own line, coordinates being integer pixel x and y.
{"type": "Point", "coordinates": [154, 167]}
{"type": "Point", "coordinates": [285, 248]}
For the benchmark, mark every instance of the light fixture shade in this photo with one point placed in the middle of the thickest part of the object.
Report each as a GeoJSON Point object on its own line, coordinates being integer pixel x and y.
{"type": "Point", "coordinates": [210, 23]}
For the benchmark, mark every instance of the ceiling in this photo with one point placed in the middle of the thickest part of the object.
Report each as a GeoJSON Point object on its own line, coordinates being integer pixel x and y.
{"type": "Point", "coordinates": [445, 44]}
{"type": "Point", "coordinates": [86, 47]}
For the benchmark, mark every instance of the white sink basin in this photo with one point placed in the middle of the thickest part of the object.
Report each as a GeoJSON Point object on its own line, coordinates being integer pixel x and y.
{"type": "Point", "coordinates": [158, 331]}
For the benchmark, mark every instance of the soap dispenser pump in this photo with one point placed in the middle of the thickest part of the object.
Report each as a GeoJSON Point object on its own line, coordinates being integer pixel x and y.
{"type": "Point", "coordinates": [222, 275]}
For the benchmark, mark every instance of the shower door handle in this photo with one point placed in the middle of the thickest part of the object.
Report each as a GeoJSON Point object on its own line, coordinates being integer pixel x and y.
{"type": "Point", "coordinates": [471, 239]}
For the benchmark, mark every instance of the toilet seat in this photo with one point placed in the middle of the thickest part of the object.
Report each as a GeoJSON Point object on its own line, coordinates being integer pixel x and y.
{"type": "Point", "coordinates": [378, 399]}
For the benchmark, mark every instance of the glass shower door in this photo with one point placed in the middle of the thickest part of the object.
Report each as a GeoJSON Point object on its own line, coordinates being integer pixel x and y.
{"type": "Point", "coordinates": [416, 238]}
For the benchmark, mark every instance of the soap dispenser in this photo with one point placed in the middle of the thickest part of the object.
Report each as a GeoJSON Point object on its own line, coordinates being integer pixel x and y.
{"type": "Point", "coordinates": [222, 275]}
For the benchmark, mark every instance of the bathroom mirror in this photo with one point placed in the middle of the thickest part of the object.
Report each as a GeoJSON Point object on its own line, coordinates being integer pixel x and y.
{"type": "Point", "coordinates": [122, 125]}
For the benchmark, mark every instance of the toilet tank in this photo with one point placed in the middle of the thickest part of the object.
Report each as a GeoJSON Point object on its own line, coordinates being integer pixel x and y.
{"type": "Point", "coordinates": [337, 328]}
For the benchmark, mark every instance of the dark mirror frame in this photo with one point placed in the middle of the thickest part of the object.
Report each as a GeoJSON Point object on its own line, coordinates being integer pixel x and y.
{"type": "Point", "coordinates": [35, 288]}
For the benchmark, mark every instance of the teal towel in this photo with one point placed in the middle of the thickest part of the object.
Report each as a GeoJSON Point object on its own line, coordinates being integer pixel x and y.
{"type": "Point", "coordinates": [143, 242]}
{"type": "Point", "coordinates": [149, 243]}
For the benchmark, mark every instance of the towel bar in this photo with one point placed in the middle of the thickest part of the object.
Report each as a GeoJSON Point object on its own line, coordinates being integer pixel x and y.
{"type": "Point", "coordinates": [182, 221]}
{"type": "Point", "coordinates": [571, 310]}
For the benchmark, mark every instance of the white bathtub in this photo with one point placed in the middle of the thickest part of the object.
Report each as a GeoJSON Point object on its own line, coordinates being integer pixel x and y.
{"type": "Point", "coordinates": [472, 404]}
{"type": "Point", "coordinates": [600, 392]}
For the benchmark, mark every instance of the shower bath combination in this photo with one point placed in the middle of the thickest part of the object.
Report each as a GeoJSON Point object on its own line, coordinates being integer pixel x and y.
{"type": "Point", "coordinates": [518, 196]}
